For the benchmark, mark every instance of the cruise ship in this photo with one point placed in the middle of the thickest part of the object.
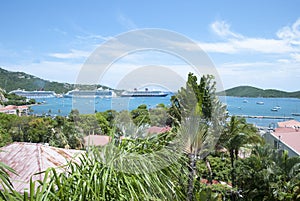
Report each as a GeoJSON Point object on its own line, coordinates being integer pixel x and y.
{"type": "Point", "coordinates": [34, 94]}
{"type": "Point", "coordinates": [146, 93]}
{"type": "Point", "coordinates": [89, 93]}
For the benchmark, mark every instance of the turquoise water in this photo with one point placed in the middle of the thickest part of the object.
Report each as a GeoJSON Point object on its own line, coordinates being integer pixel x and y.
{"type": "Point", "coordinates": [235, 106]}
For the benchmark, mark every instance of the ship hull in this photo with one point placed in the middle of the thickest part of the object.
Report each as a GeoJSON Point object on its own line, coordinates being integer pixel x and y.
{"type": "Point", "coordinates": [143, 95]}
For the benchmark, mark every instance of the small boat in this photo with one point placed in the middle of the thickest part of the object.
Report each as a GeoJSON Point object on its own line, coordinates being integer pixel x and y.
{"type": "Point", "coordinates": [274, 109]}
{"type": "Point", "coordinates": [295, 114]}
{"type": "Point", "coordinates": [245, 101]}
{"type": "Point", "coordinates": [260, 103]}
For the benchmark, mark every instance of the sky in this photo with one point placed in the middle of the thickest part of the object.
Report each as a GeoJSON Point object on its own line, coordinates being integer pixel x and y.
{"type": "Point", "coordinates": [251, 42]}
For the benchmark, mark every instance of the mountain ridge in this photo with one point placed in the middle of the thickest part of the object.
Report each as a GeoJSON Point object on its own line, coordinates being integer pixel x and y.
{"type": "Point", "coordinates": [250, 91]}
{"type": "Point", "coordinates": [10, 80]}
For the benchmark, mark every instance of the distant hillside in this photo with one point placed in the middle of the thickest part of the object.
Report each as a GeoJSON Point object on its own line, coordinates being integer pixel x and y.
{"type": "Point", "coordinates": [248, 91]}
{"type": "Point", "coordinates": [19, 80]}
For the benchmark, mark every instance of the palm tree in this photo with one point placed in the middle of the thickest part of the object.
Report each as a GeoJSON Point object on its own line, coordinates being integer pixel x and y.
{"type": "Point", "coordinates": [237, 134]}
{"type": "Point", "coordinates": [201, 116]}
{"type": "Point", "coordinates": [269, 174]}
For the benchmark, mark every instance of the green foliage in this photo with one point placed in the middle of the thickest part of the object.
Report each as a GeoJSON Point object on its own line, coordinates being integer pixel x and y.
{"type": "Point", "coordinates": [269, 175]}
{"type": "Point", "coordinates": [90, 124]}
{"type": "Point", "coordinates": [220, 166]}
{"type": "Point", "coordinates": [214, 192]}
{"type": "Point", "coordinates": [40, 130]}
{"type": "Point", "coordinates": [7, 192]}
{"type": "Point", "coordinates": [104, 124]}
{"type": "Point", "coordinates": [140, 115]}
{"type": "Point", "coordinates": [13, 99]}
{"type": "Point", "coordinates": [159, 116]}
{"type": "Point", "coordinates": [200, 115]}
{"type": "Point", "coordinates": [110, 116]}
{"type": "Point", "coordinates": [5, 137]}
{"type": "Point", "coordinates": [236, 134]}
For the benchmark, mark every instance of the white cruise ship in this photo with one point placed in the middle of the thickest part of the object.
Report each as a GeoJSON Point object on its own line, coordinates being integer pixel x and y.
{"type": "Point", "coordinates": [34, 94]}
{"type": "Point", "coordinates": [89, 93]}
{"type": "Point", "coordinates": [146, 93]}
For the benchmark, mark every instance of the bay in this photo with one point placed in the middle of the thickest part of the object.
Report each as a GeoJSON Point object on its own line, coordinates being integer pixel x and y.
{"type": "Point", "coordinates": [235, 106]}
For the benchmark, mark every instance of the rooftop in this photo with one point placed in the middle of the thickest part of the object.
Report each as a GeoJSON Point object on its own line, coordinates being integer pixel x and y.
{"type": "Point", "coordinates": [289, 136]}
{"type": "Point", "coordinates": [30, 158]}
{"type": "Point", "coordinates": [96, 140]}
{"type": "Point", "coordinates": [290, 123]}
{"type": "Point", "coordinates": [157, 130]}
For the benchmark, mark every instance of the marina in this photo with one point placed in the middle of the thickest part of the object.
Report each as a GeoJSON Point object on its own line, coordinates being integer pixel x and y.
{"type": "Point", "coordinates": [265, 117]}
{"type": "Point", "coordinates": [260, 115]}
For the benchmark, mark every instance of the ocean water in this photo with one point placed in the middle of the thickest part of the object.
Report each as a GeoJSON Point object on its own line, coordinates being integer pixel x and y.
{"type": "Point", "coordinates": [235, 106]}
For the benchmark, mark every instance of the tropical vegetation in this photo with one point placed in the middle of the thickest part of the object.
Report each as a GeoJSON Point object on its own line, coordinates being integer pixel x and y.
{"type": "Point", "coordinates": [206, 155]}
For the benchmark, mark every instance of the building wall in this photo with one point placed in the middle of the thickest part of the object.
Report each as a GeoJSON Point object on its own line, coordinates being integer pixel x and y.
{"type": "Point", "coordinates": [276, 143]}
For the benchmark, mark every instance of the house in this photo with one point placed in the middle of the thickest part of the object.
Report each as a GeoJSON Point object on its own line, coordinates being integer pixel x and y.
{"type": "Point", "coordinates": [30, 158]}
{"type": "Point", "coordinates": [285, 137]}
{"type": "Point", "coordinates": [17, 110]}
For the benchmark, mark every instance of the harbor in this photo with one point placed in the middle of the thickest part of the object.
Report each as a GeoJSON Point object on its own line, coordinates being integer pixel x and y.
{"type": "Point", "coordinates": [265, 117]}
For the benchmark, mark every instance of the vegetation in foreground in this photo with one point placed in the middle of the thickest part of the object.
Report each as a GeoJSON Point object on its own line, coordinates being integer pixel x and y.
{"type": "Point", "coordinates": [186, 163]}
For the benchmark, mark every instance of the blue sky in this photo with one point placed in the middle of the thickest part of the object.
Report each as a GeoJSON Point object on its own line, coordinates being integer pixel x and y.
{"type": "Point", "coordinates": [254, 42]}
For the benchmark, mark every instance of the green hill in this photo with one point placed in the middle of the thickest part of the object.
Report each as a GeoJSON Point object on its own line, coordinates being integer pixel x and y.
{"type": "Point", "coordinates": [248, 91]}
{"type": "Point", "coordinates": [19, 80]}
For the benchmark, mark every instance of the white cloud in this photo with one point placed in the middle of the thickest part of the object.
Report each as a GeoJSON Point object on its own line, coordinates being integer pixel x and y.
{"type": "Point", "coordinates": [73, 54]}
{"type": "Point", "coordinates": [290, 34]}
{"type": "Point", "coordinates": [224, 47]}
{"type": "Point", "coordinates": [245, 64]}
{"type": "Point", "coordinates": [296, 57]}
{"type": "Point", "coordinates": [94, 37]}
{"type": "Point", "coordinates": [223, 29]}
{"type": "Point", "coordinates": [235, 42]}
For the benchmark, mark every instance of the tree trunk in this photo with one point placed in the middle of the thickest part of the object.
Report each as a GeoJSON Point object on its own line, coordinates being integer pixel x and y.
{"type": "Point", "coordinates": [192, 166]}
{"type": "Point", "coordinates": [207, 163]}
{"type": "Point", "coordinates": [236, 153]}
{"type": "Point", "coordinates": [232, 167]}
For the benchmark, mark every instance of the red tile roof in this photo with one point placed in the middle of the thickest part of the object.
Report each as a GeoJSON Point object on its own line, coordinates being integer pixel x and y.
{"type": "Point", "coordinates": [30, 158]}
{"type": "Point", "coordinates": [156, 129]}
{"type": "Point", "coordinates": [96, 140]}
{"type": "Point", "coordinates": [289, 136]}
{"type": "Point", "coordinates": [290, 123]}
